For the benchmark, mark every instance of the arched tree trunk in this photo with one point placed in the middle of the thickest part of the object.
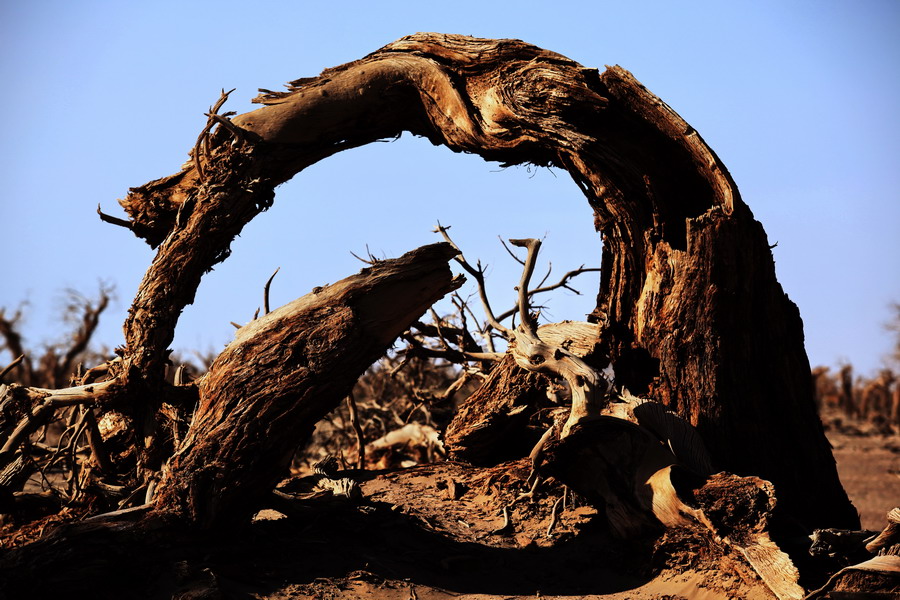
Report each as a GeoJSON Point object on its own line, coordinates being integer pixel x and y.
{"type": "Point", "coordinates": [692, 310]}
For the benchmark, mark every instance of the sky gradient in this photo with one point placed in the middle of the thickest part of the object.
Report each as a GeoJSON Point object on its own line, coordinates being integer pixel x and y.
{"type": "Point", "coordinates": [797, 98]}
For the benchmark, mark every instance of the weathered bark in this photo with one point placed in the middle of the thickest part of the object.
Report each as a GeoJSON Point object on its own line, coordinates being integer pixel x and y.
{"type": "Point", "coordinates": [284, 372]}
{"type": "Point", "coordinates": [693, 311]}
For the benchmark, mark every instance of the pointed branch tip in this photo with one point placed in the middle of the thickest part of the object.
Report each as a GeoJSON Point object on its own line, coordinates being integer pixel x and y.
{"type": "Point", "coordinates": [114, 220]}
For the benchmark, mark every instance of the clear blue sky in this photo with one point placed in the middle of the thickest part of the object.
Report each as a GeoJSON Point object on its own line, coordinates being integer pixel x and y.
{"type": "Point", "coordinates": [799, 99]}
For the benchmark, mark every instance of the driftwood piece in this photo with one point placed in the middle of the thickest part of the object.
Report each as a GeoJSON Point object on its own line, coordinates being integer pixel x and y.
{"type": "Point", "coordinates": [283, 372]}
{"type": "Point", "coordinates": [609, 461]}
{"type": "Point", "coordinates": [889, 536]}
{"type": "Point", "coordinates": [875, 579]}
{"type": "Point", "coordinates": [673, 431]}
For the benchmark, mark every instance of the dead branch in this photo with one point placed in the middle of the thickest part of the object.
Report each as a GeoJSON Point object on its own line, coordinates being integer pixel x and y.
{"type": "Point", "coordinates": [45, 403]}
{"type": "Point", "coordinates": [114, 220]}
{"type": "Point", "coordinates": [554, 515]}
{"type": "Point", "coordinates": [477, 273]}
{"type": "Point", "coordinates": [201, 147]}
{"type": "Point", "coordinates": [533, 246]}
{"type": "Point", "coordinates": [11, 366]}
{"type": "Point", "coordinates": [13, 342]}
{"type": "Point", "coordinates": [417, 350]}
{"type": "Point", "coordinates": [589, 388]}
{"type": "Point", "coordinates": [90, 318]}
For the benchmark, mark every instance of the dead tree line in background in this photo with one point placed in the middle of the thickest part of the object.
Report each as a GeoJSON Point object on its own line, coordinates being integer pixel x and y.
{"type": "Point", "coordinates": [56, 365]}
{"type": "Point", "coordinates": [874, 400]}
{"type": "Point", "coordinates": [867, 399]}
{"type": "Point", "coordinates": [687, 321]}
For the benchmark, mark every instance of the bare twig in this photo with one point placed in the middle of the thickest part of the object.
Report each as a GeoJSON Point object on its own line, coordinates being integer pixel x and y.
{"type": "Point", "coordinates": [534, 485]}
{"type": "Point", "coordinates": [437, 326]}
{"type": "Point", "coordinates": [74, 481]}
{"type": "Point", "coordinates": [393, 372]}
{"type": "Point", "coordinates": [478, 274]}
{"type": "Point", "coordinates": [361, 259]}
{"type": "Point", "coordinates": [455, 386]}
{"type": "Point", "coordinates": [450, 355]}
{"type": "Point", "coordinates": [11, 366]}
{"type": "Point", "coordinates": [360, 440]}
{"type": "Point", "coordinates": [533, 246]}
{"type": "Point", "coordinates": [510, 252]}
{"type": "Point", "coordinates": [554, 514]}
{"type": "Point", "coordinates": [372, 260]}
{"type": "Point", "coordinates": [114, 220]}
{"type": "Point", "coordinates": [563, 282]}
{"type": "Point", "coordinates": [98, 451]}
{"type": "Point", "coordinates": [203, 139]}
{"type": "Point", "coordinates": [507, 524]}
{"type": "Point", "coordinates": [266, 292]}
{"type": "Point", "coordinates": [546, 276]}
{"type": "Point", "coordinates": [484, 332]}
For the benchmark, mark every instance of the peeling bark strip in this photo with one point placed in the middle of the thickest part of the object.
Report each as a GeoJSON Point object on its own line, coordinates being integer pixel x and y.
{"type": "Point", "coordinates": [284, 372]}
{"type": "Point", "coordinates": [694, 315]}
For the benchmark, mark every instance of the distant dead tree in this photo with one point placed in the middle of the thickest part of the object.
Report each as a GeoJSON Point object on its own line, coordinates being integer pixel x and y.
{"type": "Point", "coordinates": [53, 366]}
{"type": "Point", "coordinates": [689, 315]}
{"type": "Point", "coordinates": [875, 395]}
{"type": "Point", "coordinates": [827, 395]}
{"type": "Point", "coordinates": [893, 325]}
{"type": "Point", "coordinates": [847, 401]}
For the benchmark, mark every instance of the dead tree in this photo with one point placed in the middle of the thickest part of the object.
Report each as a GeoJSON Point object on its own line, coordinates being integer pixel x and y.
{"type": "Point", "coordinates": [689, 305]}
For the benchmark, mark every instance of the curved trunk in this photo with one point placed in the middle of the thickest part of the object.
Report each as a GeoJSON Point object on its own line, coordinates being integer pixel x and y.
{"type": "Point", "coordinates": [692, 312]}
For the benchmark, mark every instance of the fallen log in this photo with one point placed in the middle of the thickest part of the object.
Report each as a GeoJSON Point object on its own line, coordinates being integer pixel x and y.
{"type": "Point", "coordinates": [285, 371]}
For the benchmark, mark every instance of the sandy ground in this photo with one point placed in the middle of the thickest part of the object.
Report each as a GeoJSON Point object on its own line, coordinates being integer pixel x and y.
{"type": "Point", "coordinates": [869, 467]}
{"type": "Point", "coordinates": [465, 554]}
{"type": "Point", "coordinates": [438, 532]}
